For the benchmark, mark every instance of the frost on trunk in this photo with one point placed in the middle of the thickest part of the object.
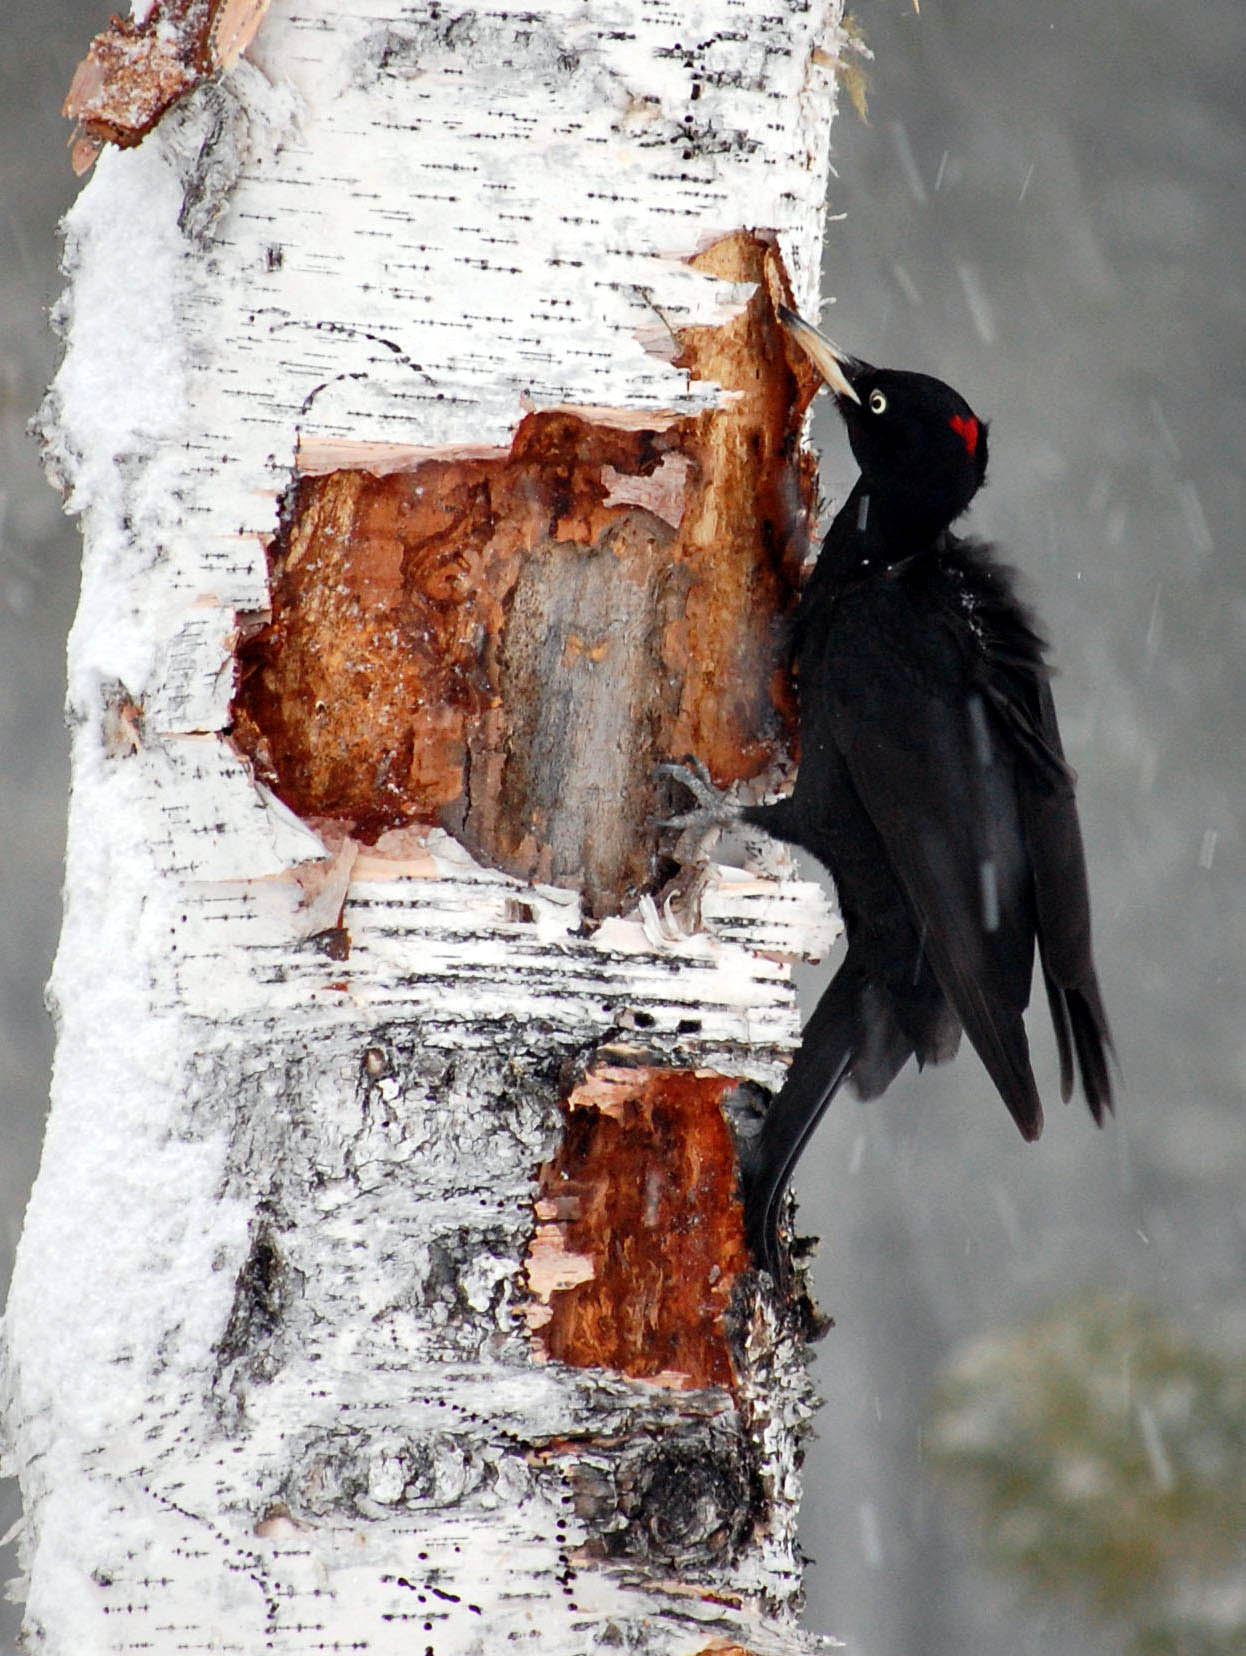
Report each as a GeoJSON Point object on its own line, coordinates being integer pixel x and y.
{"type": "Point", "coordinates": [438, 463]}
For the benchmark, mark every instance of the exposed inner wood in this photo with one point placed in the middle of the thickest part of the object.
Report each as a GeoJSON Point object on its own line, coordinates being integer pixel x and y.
{"type": "Point", "coordinates": [509, 644]}
{"type": "Point", "coordinates": [575, 608]}
{"type": "Point", "coordinates": [640, 1237]}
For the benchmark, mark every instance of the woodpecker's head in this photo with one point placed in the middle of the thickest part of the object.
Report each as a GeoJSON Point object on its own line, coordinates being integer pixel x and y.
{"type": "Point", "coordinates": [919, 444]}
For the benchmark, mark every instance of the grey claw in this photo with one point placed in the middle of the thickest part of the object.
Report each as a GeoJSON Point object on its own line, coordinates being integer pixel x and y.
{"type": "Point", "coordinates": [714, 807]}
{"type": "Point", "coordinates": [688, 819]}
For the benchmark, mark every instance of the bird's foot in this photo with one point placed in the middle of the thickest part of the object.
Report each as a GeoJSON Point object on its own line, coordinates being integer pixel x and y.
{"type": "Point", "coordinates": [714, 808]}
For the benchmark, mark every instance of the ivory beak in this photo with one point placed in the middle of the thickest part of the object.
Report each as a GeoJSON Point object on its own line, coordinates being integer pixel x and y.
{"type": "Point", "coordinates": [826, 357]}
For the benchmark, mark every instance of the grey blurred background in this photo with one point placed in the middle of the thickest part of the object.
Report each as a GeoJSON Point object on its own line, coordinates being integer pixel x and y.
{"type": "Point", "coordinates": [1045, 211]}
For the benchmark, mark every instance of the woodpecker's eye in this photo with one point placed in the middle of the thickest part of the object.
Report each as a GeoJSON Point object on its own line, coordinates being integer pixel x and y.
{"type": "Point", "coordinates": [878, 403]}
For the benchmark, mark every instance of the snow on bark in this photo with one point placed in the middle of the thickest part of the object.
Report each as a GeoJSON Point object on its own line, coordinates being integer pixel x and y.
{"type": "Point", "coordinates": [273, 1348]}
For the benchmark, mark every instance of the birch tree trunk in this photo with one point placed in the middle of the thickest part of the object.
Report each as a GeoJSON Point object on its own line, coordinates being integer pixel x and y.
{"type": "Point", "coordinates": [437, 455]}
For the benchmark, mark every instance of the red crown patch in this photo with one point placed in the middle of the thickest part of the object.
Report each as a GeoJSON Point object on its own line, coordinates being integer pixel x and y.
{"type": "Point", "coordinates": [966, 428]}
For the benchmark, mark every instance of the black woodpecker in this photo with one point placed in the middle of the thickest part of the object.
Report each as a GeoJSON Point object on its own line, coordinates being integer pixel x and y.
{"type": "Point", "coordinates": [932, 786]}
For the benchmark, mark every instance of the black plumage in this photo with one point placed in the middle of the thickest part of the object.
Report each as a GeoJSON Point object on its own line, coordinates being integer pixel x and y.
{"type": "Point", "coordinates": [932, 785]}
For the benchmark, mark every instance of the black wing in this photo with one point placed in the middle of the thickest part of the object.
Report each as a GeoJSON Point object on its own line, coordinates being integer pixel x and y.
{"type": "Point", "coordinates": [960, 766]}
{"type": "Point", "coordinates": [1054, 840]}
{"type": "Point", "coordinates": [935, 763]}
{"type": "Point", "coordinates": [1016, 679]}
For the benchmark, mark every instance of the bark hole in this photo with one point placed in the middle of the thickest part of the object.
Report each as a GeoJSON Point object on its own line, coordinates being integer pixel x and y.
{"type": "Point", "coordinates": [510, 644]}
{"type": "Point", "coordinates": [693, 1504]}
{"type": "Point", "coordinates": [252, 1345]}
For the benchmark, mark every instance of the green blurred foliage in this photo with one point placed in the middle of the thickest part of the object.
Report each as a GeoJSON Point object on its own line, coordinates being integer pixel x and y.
{"type": "Point", "coordinates": [1104, 1452]}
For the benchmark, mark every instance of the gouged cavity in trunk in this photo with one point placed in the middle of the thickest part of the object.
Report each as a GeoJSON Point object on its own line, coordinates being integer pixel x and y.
{"type": "Point", "coordinates": [640, 1236]}
{"type": "Point", "coordinates": [509, 644]}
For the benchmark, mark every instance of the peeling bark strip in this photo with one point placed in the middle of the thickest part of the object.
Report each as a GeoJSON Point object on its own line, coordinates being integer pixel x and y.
{"type": "Point", "coordinates": [523, 638]}
{"type": "Point", "coordinates": [640, 1241]}
{"type": "Point", "coordinates": [134, 72]}
{"type": "Point", "coordinates": [283, 1231]}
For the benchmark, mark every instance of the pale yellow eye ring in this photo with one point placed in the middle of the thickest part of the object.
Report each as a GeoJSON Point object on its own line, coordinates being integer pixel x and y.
{"type": "Point", "coordinates": [878, 403]}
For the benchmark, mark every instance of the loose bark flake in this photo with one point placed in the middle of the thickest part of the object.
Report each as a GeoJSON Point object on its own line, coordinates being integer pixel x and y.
{"type": "Point", "coordinates": [134, 72]}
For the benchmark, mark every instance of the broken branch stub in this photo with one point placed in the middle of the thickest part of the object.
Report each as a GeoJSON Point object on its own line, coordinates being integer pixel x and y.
{"type": "Point", "coordinates": [511, 644]}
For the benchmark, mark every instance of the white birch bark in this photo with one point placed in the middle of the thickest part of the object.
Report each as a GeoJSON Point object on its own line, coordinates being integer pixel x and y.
{"type": "Point", "coordinates": [270, 1386]}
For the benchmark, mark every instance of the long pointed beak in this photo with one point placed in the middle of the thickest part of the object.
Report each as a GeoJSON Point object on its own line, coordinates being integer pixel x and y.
{"type": "Point", "coordinates": [828, 359]}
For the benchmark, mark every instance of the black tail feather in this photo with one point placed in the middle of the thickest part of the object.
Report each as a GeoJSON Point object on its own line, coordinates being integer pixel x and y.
{"type": "Point", "coordinates": [998, 1036]}
{"type": "Point", "coordinates": [1064, 1040]}
{"type": "Point", "coordinates": [1092, 1041]}
{"type": "Point", "coordinates": [1082, 1031]}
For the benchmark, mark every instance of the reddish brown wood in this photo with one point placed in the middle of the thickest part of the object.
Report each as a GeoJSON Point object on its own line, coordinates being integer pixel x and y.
{"type": "Point", "coordinates": [352, 701]}
{"type": "Point", "coordinates": [641, 1237]}
{"type": "Point", "coordinates": [374, 694]}
{"type": "Point", "coordinates": [745, 531]}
